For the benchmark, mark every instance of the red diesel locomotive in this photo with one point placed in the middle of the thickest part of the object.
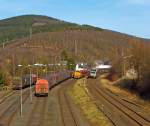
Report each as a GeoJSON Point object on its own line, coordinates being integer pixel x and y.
{"type": "Point", "coordinates": [41, 87]}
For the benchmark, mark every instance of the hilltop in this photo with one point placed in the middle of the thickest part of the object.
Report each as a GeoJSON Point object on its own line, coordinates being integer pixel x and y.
{"type": "Point", "coordinates": [21, 26]}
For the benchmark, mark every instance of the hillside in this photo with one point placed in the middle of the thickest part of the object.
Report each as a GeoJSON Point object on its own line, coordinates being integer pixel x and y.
{"type": "Point", "coordinates": [82, 45]}
{"type": "Point", "coordinates": [21, 26]}
{"type": "Point", "coordinates": [80, 41]}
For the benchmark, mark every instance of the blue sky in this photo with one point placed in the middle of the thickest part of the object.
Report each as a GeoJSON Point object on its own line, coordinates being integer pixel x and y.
{"type": "Point", "coordinates": [127, 16]}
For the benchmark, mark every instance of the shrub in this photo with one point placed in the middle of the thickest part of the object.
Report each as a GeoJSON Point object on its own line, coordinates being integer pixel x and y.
{"type": "Point", "coordinates": [1, 79]}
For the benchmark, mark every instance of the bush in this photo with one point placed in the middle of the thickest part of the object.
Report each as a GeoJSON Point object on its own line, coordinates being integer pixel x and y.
{"type": "Point", "coordinates": [128, 84]}
{"type": "Point", "coordinates": [143, 86]}
{"type": "Point", "coordinates": [112, 76]}
{"type": "Point", "coordinates": [7, 78]}
{"type": "Point", "coordinates": [1, 79]}
{"type": "Point", "coordinates": [71, 64]}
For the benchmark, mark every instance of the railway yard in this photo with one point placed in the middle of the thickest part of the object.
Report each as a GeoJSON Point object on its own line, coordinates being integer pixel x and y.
{"type": "Point", "coordinates": [68, 72]}
{"type": "Point", "coordinates": [61, 108]}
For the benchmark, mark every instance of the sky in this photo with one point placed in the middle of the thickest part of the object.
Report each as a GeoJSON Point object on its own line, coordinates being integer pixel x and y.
{"type": "Point", "coordinates": [126, 16]}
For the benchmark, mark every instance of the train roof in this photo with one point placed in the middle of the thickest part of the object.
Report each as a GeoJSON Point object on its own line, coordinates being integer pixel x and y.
{"type": "Point", "coordinates": [42, 81]}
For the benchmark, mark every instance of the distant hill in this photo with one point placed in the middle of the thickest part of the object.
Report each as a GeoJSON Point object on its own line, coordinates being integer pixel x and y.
{"type": "Point", "coordinates": [21, 26]}
{"type": "Point", "coordinates": [80, 41]}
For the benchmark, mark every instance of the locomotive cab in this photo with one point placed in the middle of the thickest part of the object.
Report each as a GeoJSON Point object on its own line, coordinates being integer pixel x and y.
{"type": "Point", "coordinates": [41, 87]}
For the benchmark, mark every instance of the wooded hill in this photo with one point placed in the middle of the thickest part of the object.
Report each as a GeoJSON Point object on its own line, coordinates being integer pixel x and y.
{"type": "Point", "coordinates": [80, 41]}
{"type": "Point", "coordinates": [21, 26]}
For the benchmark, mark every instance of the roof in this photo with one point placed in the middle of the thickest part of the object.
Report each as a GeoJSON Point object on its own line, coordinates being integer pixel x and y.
{"type": "Point", "coordinates": [42, 81]}
{"type": "Point", "coordinates": [104, 66]}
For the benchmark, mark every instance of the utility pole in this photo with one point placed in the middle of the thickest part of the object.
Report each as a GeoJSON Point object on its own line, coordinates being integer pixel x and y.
{"type": "Point", "coordinates": [123, 68]}
{"type": "Point", "coordinates": [46, 70]}
{"type": "Point", "coordinates": [76, 47]}
{"type": "Point", "coordinates": [54, 69]}
{"type": "Point", "coordinates": [13, 62]}
{"type": "Point", "coordinates": [37, 71]}
{"type": "Point", "coordinates": [3, 45]}
{"type": "Point", "coordinates": [124, 63]}
{"type": "Point", "coordinates": [21, 96]}
{"type": "Point", "coordinates": [30, 83]}
{"type": "Point", "coordinates": [30, 31]}
{"type": "Point", "coordinates": [21, 90]}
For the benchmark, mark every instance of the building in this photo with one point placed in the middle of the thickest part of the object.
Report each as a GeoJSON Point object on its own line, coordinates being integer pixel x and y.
{"type": "Point", "coordinates": [103, 65]}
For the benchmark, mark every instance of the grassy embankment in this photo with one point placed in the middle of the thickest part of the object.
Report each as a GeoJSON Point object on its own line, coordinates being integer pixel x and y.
{"type": "Point", "coordinates": [79, 94]}
{"type": "Point", "coordinates": [115, 89]}
{"type": "Point", "coordinates": [122, 92]}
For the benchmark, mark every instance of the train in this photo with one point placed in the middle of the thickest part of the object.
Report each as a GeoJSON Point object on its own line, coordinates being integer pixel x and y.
{"type": "Point", "coordinates": [94, 73]}
{"type": "Point", "coordinates": [49, 81]}
{"type": "Point", "coordinates": [79, 74]}
{"type": "Point", "coordinates": [52, 77]}
{"type": "Point", "coordinates": [25, 80]}
{"type": "Point", "coordinates": [81, 70]}
{"type": "Point", "coordinates": [41, 87]}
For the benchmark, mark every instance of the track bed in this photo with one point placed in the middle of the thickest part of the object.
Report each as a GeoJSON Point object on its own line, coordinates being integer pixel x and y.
{"type": "Point", "coordinates": [56, 110]}
{"type": "Point", "coordinates": [119, 111]}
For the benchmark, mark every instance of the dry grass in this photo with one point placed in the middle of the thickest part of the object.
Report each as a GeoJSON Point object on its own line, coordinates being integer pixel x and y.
{"type": "Point", "coordinates": [124, 93]}
{"type": "Point", "coordinates": [96, 117]}
{"type": "Point", "coordinates": [108, 85]}
{"type": "Point", "coordinates": [4, 93]}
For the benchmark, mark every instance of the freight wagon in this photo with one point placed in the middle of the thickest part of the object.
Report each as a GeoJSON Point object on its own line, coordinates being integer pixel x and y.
{"type": "Point", "coordinates": [80, 74]}
{"type": "Point", "coordinates": [55, 78]}
{"type": "Point", "coordinates": [25, 80]}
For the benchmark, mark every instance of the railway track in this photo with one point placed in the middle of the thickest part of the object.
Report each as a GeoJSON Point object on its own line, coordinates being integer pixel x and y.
{"type": "Point", "coordinates": [125, 110]}
{"type": "Point", "coordinates": [7, 96]}
{"type": "Point", "coordinates": [116, 104]}
{"type": "Point", "coordinates": [124, 100]}
{"type": "Point", "coordinates": [37, 114]}
{"type": "Point", "coordinates": [7, 115]}
{"type": "Point", "coordinates": [66, 112]}
{"type": "Point", "coordinates": [99, 107]}
{"type": "Point", "coordinates": [127, 104]}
